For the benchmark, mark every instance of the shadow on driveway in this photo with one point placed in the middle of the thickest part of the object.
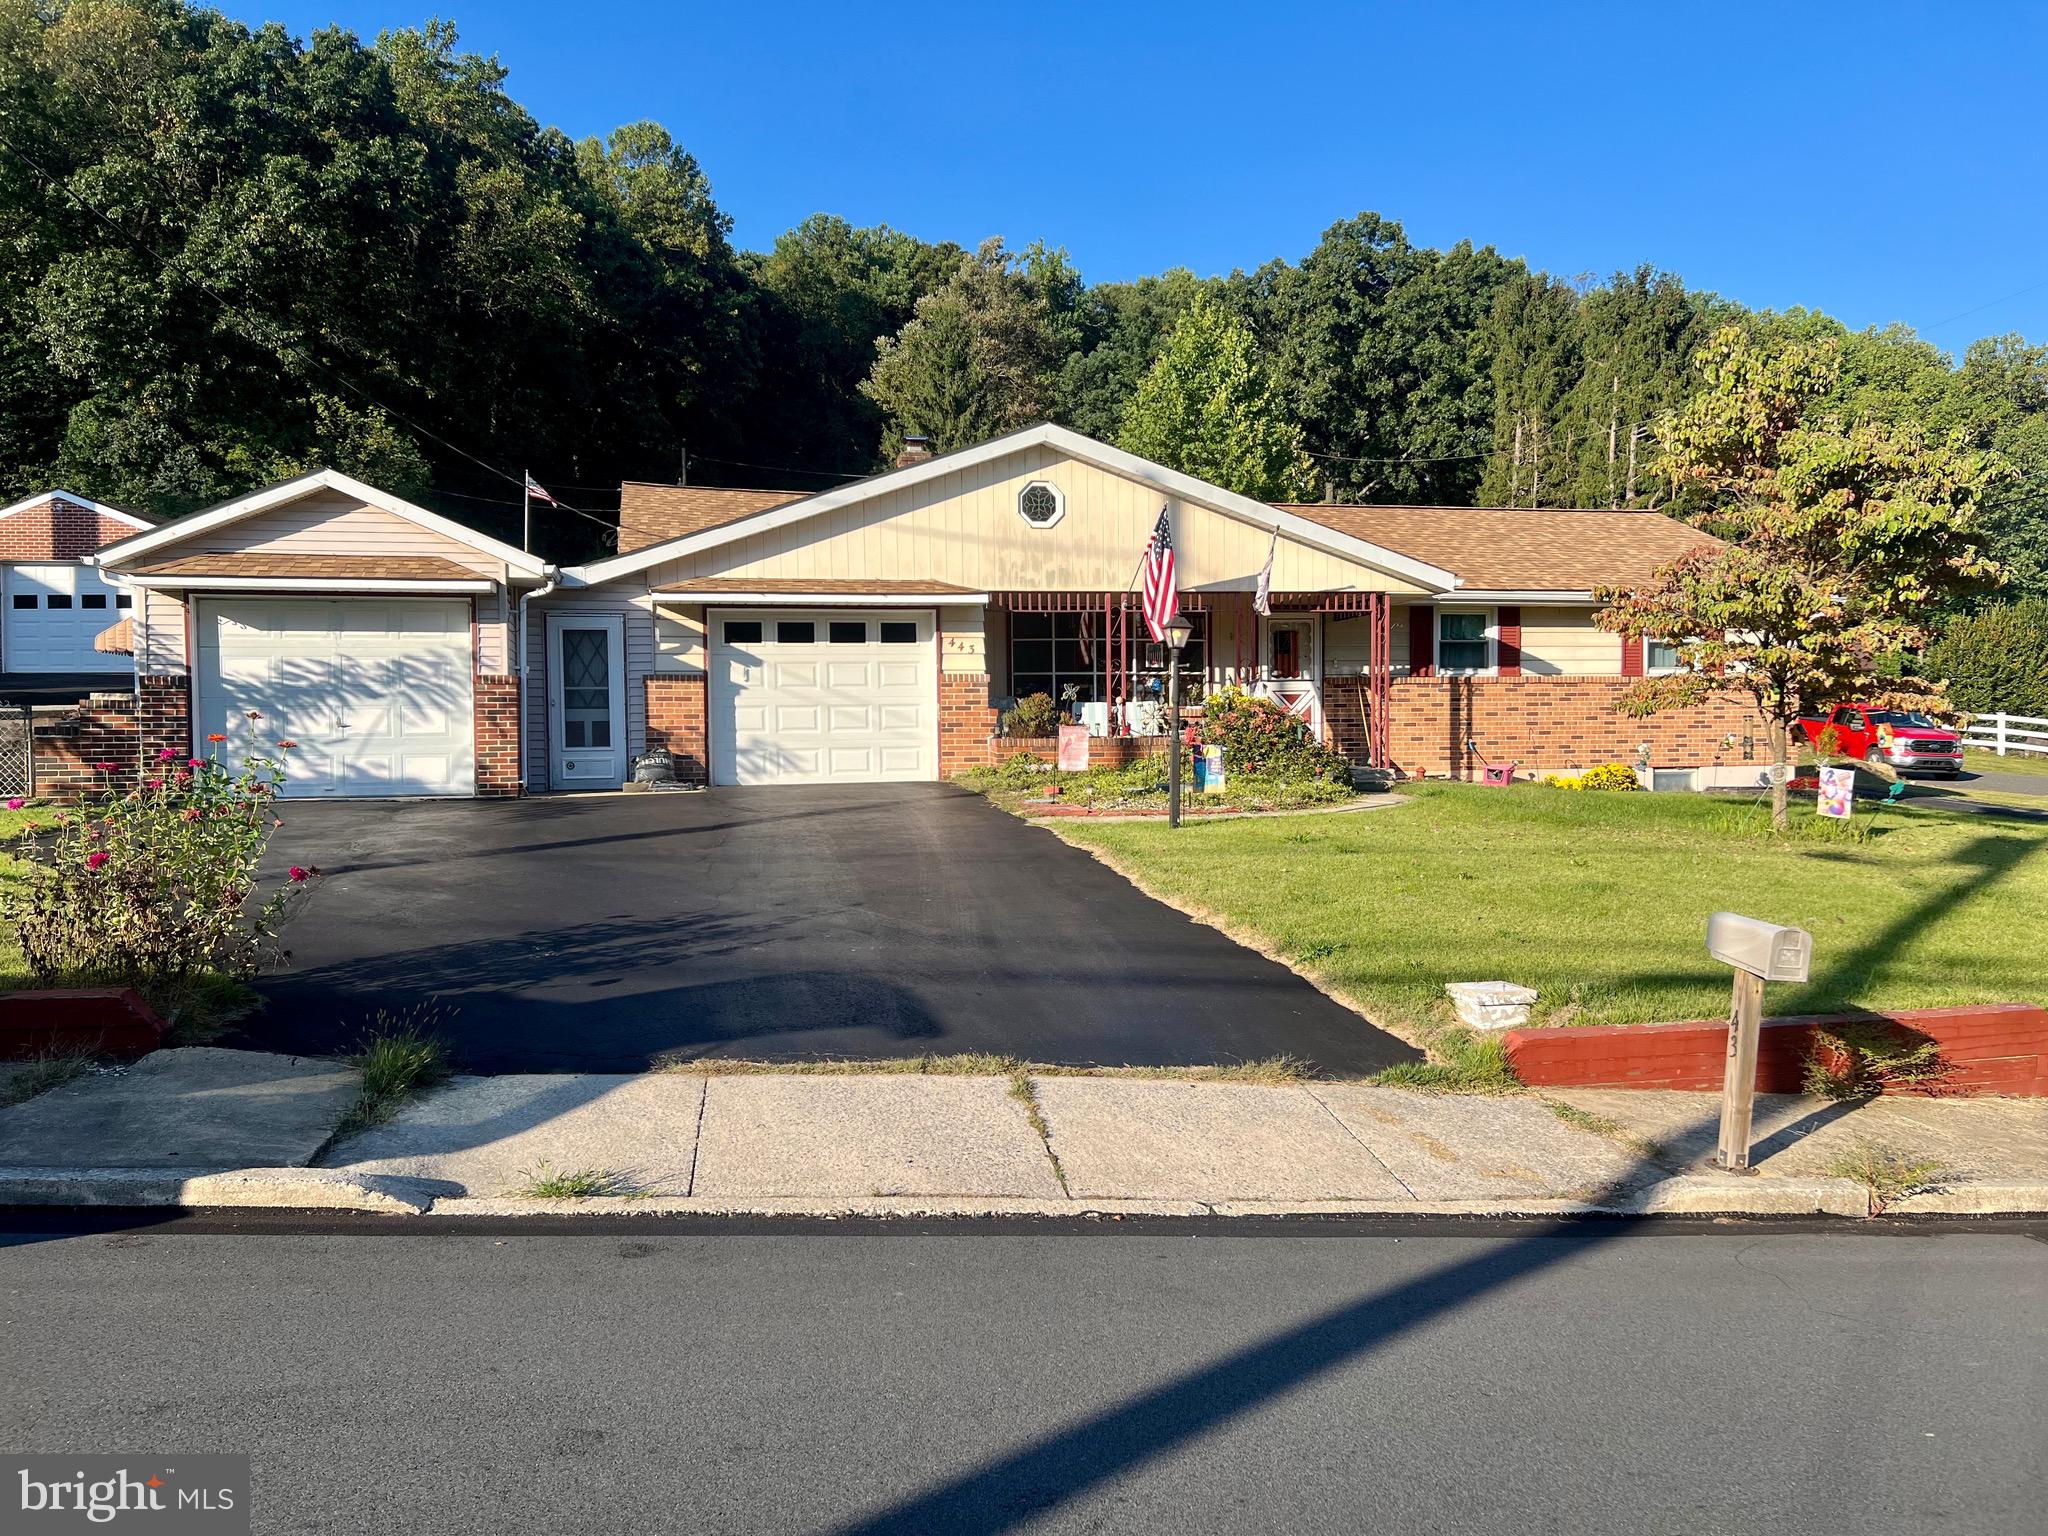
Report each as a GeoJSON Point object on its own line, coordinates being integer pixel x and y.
{"type": "Point", "coordinates": [605, 932]}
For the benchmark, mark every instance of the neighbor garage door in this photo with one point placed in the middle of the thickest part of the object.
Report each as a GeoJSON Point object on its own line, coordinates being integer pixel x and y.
{"type": "Point", "coordinates": [804, 696]}
{"type": "Point", "coordinates": [54, 611]}
{"type": "Point", "coordinates": [376, 692]}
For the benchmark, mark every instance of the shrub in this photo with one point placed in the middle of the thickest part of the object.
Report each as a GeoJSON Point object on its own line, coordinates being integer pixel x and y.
{"type": "Point", "coordinates": [1995, 659]}
{"type": "Point", "coordinates": [1611, 776]}
{"type": "Point", "coordinates": [154, 888]}
{"type": "Point", "coordinates": [1262, 740]}
{"type": "Point", "coordinates": [1034, 715]}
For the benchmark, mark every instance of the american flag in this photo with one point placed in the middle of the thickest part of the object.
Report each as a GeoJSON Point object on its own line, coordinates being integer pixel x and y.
{"type": "Point", "coordinates": [1161, 601]}
{"type": "Point", "coordinates": [538, 493]}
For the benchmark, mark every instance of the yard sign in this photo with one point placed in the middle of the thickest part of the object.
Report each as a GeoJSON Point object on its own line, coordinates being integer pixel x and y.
{"type": "Point", "coordinates": [1837, 791]}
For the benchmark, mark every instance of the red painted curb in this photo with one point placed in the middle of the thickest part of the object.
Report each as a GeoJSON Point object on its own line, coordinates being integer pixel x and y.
{"type": "Point", "coordinates": [101, 1021]}
{"type": "Point", "coordinates": [1996, 1048]}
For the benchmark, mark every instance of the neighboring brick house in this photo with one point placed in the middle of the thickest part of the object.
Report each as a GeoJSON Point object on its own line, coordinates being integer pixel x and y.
{"type": "Point", "coordinates": [53, 605]}
{"type": "Point", "coordinates": [875, 631]}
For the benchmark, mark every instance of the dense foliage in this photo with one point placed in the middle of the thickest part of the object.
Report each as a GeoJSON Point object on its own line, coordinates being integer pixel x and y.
{"type": "Point", "coordinates": [229, 254]}
{"type": "Point", "coordinates": [1262, 740]}
{"type": "Point", "coordinates": [1995, 661]}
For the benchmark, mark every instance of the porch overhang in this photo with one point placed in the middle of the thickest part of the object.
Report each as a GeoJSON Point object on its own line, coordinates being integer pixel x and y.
{"type": "Point", "coordinates": [337, 574]}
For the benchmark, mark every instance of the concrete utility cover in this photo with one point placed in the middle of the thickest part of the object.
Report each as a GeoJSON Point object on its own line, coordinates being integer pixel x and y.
{"type": "Point", "coordinates": [193, 1108]}
{"type": "Point", "coordinates": [603, 933]}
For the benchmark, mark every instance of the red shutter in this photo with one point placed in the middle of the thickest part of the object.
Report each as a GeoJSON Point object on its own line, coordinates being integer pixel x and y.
{"type": "Point", "coordinates": [1421, 641]}
{"type": "Point", "coordinates": [1508, 650]}
{"type": "Point", "coordinates": [1631, 655]}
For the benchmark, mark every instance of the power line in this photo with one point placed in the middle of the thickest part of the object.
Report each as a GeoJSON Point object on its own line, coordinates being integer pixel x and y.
{"type": "Point", "coordinates": [1989, 304]}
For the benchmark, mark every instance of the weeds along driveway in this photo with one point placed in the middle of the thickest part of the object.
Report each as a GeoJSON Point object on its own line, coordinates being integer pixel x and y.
{"type": "Point", "coordinates": [606, 932]}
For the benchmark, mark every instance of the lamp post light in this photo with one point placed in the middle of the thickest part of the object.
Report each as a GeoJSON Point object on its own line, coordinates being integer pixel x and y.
{"type": "Point", "coordinates": [1178, 628]}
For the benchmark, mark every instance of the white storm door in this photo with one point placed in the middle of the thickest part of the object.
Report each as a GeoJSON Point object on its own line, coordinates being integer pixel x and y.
{"type": "Point", "coordinates": [55, 610]}
{"type": "Point", "coordinates": [586, 700]}
{"type": "Point", "coordinates": [823, 696]}
{"type": "Point", "coordinates": [1292, 664]}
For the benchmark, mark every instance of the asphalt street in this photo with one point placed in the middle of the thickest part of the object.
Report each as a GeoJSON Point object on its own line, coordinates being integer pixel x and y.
{"type": "Point", "coordinates": [1287, 1376]}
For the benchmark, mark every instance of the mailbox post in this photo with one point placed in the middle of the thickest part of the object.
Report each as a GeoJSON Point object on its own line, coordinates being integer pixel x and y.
{"type": "Point", "coordinates": [1759, 952]}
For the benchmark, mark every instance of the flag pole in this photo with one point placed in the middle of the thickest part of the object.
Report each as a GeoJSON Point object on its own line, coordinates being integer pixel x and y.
{"type": "Point", "coordinates": [526, 511]}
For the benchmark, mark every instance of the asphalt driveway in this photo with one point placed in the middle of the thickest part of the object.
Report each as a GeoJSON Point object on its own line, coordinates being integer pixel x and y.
{"type": "Point", "coordinates": [606, 932]}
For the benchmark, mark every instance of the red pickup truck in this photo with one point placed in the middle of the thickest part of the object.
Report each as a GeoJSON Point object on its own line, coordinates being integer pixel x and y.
{"type": "Point", "coordinates": [1902, 739]}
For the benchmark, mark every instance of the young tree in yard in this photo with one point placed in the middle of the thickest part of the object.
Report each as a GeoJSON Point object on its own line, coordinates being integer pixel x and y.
{"type": "Point", "coordinates": [1839, 541]}
{"type": "Point", "coordinates": [1208, 409]}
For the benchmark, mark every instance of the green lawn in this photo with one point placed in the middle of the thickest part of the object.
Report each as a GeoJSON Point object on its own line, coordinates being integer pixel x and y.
{"type": "Point", "coordinates": [11, 824]}
{"type": "Point", "coordinates": [1983, 760]}
{"type": "Point", "coordinates": [1600, 901]}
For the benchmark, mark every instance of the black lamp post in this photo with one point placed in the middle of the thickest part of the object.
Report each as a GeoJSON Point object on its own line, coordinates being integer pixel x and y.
{"type": "Point", "coordinates": [1178, 628]}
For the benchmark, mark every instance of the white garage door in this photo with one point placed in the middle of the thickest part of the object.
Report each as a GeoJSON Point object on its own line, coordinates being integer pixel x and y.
{"type": "Point", "coordinates": [375, 692]}
{"type": "Point", "coordinates": [54, 610]}
{"type": "Point", "coordinates": [823, 696]}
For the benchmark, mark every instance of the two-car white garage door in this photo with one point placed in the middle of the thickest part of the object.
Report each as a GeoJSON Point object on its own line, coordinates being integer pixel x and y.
{"type": "Point", "coordinates": [375, 692]}
{"type": "Point", "coordinates": [822, 696]}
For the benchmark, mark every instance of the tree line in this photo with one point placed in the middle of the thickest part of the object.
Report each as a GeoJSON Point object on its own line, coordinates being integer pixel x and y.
{"type": "Point", "coordinates": [230, 254]}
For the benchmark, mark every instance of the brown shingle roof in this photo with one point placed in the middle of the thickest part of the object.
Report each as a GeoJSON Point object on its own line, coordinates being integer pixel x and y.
{"type": "Point", "coordinates": [263, 564]}
{"type": "Point", "coordinates": [817, 587]}
{"type": "Point", "coordinates": [1513, 549]}
{"type": "Point", "coordinates": [651, 514]}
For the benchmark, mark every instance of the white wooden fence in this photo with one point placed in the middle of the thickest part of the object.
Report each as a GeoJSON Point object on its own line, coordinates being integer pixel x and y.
{"type": "Point", "coordinates": [2008, 733]}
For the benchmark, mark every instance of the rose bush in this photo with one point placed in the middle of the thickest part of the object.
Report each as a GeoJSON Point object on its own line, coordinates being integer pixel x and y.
{"type": "Point", "coordinates": [157, 886]}
{"type": "Point", "coordinates": [1261, 739]}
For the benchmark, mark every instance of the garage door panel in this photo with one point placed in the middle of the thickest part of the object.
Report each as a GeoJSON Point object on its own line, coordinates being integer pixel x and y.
{"type": "Point", "coordinates": [843, 706]}
{"type": "Point", "coordinates": [376, 693]}
{"type": "Point", "coordinates": [51, 616]}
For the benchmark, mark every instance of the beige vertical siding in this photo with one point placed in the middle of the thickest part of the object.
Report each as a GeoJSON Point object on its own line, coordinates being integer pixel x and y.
{"type": "Point", "coordinates": [1562, 642]}
{"type": "Point", "coordinates": [963, 645]}
{"type": "Point", "coordinates": [963, 528]}
{"type": "Point", "coordinates": [1347, 644]}
{"type": "Point", "coordinates": [159, 634]}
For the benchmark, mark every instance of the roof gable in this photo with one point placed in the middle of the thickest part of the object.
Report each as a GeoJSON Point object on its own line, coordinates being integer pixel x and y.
{"type": "Point", "coordinates": [1168, 483]}
{"type": "Point", "coordinates": [255, 503]}
{"type": "Point", "coordinates": [116, 514]}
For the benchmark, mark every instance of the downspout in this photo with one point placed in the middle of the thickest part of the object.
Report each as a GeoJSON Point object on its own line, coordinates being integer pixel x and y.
{"type": "Point", "coordinates": [548, 574]}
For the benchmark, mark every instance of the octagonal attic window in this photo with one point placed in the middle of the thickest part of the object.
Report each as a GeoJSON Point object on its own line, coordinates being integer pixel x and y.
{"type": "Point", "coordinates": [1041, 504]}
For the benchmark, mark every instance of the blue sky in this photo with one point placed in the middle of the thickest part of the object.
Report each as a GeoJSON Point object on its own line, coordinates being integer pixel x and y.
{"type": "Point", "coordinates": [1877, 161]}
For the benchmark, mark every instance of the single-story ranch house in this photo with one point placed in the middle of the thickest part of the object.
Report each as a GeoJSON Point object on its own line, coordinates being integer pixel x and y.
{"type": "Point", "coordinates": [874, 631]}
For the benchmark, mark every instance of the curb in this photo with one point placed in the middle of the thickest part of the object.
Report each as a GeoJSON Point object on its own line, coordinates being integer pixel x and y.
{"type": "Point", "coordinates": [293, 1189]}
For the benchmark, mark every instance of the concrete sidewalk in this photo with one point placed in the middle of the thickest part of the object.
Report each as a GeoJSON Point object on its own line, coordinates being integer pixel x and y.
{"type": "Point", "coordinates": [205, 1127]}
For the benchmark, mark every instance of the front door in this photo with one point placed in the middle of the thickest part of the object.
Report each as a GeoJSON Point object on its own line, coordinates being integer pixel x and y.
{"type": "Point", "coordinates": [1290, 667]}
{"type": "Point", "coordinates": [586, 701]}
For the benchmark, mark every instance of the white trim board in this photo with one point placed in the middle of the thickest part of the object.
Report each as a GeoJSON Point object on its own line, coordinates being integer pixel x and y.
{"type": "Point", "coordinates": [1168, 482]}
{"type": "Point", "coordinates": [84, 501]}
{"type": "Point", "coordinates": [340, 586]}
{"type": "Point", "coordinates": [772, 599]}
{"type": "Point", "coordinates": [320, 480]}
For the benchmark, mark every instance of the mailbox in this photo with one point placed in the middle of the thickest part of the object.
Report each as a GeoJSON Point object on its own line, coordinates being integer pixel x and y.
{"type": "Point", "coordinates": [1762, 949]}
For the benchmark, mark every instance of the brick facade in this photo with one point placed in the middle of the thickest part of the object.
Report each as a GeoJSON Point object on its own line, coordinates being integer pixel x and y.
{"type": "Point", "coordinates": [676, 719]}
{"type": "Point", "coordinates": [967, 723]}
{"type": "Point", "coordinates": [58, 529]}
{"type": "Point", "coordinates": [70, 738]}
{"type": "Point", "coordinates": [1544, 724]}
{"type": "Point", "coordinates": [166, 717]}
{"type": "Point", "coordinates": [1103, 751]}
{"type": "Point", "coordinates": [496, 703]}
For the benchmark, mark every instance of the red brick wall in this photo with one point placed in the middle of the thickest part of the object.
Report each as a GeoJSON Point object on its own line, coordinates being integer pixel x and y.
{"type": "Point", "coordinates": [967, 722]}
{"type": "Point", "coordinates": [58, 530]}
{"type": "Point", "coordinates": [1544, 723]}
{"type": "Point", "coordinates": [676, 719]}
{"type": "Point", "coordinates": [1103, 751]}
{"type": "Point", "coordinates": [70, 738]}
{"type": "Point", "coordinates": [166, 717]}
{"type": "Point", "coordinates": [496, 703]}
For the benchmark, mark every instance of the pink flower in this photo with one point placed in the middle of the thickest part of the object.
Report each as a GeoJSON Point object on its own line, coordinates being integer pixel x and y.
{"type": "Point", "coordinates": [286, 746]}
{"type": "Point", "coordinates": [165, 754]}
{"type": "Point", "coordinates": [107, 767]}
{"type": "Point", "coordinates": [156, 783]}
{"type": "Point", "coordinates": [95, 860]}
{"type": "Point", "coordinates": [16, 803]}
{"type": "Point", "coordinates": [195, 762]}
{"type": "Point", "coordinates": [298, 874]}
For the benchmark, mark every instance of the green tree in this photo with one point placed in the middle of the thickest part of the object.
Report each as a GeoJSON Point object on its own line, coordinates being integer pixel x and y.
{"type": "Point", "coordinates": [1996, 659]}
{"type": "Point", "coordinates": [1208, 409]}
{"type": "Point", "coordinates": [982, 355]}
{"type": "Point", "coordinates": [1533, 343]}
{"type": "Point", "coordinates": [1839, 541]}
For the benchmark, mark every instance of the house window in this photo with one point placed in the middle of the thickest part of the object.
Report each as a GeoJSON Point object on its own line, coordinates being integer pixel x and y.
{"type": "Point", "coordinates": [1661, 656]}
{"type": "Point", "coordinates": [847, 632]}
{"type": "Point", "coordinates": [1041, 503]}
{"type": "Point", "coordinates": [1049, 651]}
{"type": "Point", "coordinates": [1462, 642]}
{"type": "Point", "coordinates": [899, 632]}
{"type": "Point", "coordinates": [742, 631]}
{"type": "Point", "coordinates": [1194, 659]}
{"type": "Point", "coordinates": [795, 632]}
